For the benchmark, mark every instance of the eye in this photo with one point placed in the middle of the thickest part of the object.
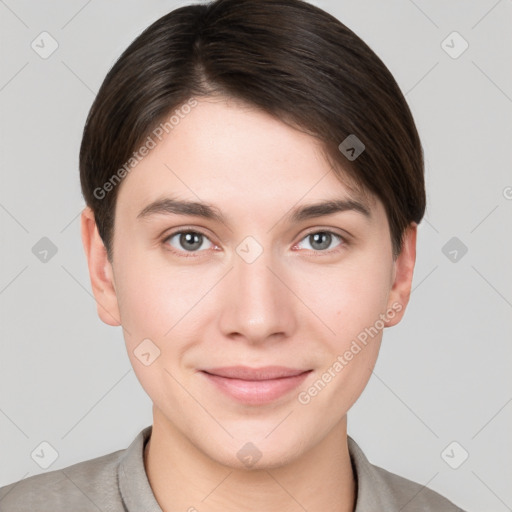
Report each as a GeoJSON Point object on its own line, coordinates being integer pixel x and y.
{"type": "Point", "coordinates": [187, 241]}
{"type": "Point", "coordinates": [319, 241]}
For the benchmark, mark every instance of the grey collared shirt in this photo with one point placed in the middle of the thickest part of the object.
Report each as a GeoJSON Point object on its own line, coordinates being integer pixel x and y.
{"type": "Point", "coordinates": [117, 482]}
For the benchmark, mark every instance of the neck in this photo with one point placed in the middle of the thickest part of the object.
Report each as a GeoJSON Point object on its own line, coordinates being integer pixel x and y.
{"type": "Point", "coordinates": [184, 478]}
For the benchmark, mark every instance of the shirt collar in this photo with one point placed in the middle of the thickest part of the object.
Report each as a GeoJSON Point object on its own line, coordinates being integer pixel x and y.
{"type": "Point", "coordinates": [133, 480]}
{"type": "Point", "coordinates": [370, 493]}
{"type": "Point", "coordinates": [138, 495]}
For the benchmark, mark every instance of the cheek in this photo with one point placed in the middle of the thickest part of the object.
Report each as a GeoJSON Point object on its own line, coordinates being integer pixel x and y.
{"type": "Point", "coordinates": [361, 299]}
{"type": "Point", "coordinates": [163, 303]}
{"type": "Point", "coordinates": [150, 295]}
{"type": "Point", "coordinates": [143, 308]}
{"type": "Point", "coordinates": [150, 303]}
{"type": "Point", "coordinates": [348, 296]}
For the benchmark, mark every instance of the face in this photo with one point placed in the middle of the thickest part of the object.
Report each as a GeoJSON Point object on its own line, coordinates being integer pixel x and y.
{"type": "Point", "coordinates": [247, 280]}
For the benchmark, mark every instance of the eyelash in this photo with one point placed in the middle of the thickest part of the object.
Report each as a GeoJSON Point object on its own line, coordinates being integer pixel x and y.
{"type": "Point", "coordinates": [193, 254]}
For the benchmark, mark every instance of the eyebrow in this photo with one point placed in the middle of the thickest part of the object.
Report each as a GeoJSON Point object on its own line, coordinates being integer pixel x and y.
{"type": "Point", "coordinates": [169, 206]}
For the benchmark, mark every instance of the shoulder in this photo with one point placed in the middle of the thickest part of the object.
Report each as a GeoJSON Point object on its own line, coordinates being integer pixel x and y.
{"type": "Point", "coordinates": [411, 496]}
{"type": "Point", "coordinates": [379, 489]}
{"type": "Point", "coordinates": [88, 485]}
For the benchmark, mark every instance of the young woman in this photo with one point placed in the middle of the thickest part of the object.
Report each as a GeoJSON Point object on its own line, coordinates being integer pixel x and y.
{"type": "Point", "coordinates": [254, 182]}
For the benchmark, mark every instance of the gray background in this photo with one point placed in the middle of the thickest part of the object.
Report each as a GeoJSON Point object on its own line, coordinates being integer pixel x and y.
{"type": "Point", "coordinates": [443, 373]}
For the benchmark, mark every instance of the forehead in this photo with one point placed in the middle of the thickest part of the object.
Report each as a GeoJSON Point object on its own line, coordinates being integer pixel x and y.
{"type": "Point", "coordinates": [228, 153]}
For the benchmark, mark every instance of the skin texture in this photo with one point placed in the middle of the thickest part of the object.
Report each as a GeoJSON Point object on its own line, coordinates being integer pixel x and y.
{"type": "Point", "coordinates": [297, 305]}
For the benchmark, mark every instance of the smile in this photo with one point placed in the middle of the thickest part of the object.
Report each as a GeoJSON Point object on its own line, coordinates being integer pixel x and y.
{"type": "Point", "coordinates": [255, 386]}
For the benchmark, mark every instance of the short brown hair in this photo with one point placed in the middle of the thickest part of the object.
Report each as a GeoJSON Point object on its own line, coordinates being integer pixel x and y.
{"type": "Point", "coordinates": [287, 57]}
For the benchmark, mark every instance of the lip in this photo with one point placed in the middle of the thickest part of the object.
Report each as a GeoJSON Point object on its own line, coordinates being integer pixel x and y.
{"type": "Point", "coordinates": [255, 386]}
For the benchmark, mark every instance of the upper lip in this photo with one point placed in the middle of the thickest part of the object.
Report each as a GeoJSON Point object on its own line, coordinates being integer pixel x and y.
{"type": "Point", "coordinates": [248, 373]}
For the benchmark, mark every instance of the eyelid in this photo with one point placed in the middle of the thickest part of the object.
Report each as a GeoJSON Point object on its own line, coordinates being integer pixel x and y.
{"type": "Point", "coordinates": [344, 235]}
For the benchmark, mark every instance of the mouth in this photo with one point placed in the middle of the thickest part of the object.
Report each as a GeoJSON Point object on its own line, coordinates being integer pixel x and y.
{"type": "Point", "coordinates": [255, 386]}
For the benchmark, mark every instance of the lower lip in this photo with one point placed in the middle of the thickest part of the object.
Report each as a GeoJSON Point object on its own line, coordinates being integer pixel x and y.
{"type": "Point", "coordinates": [256, 392]}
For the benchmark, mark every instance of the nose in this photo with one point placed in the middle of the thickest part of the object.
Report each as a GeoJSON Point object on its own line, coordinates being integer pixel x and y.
{"type": "Point", "coordinates": [258, 304]}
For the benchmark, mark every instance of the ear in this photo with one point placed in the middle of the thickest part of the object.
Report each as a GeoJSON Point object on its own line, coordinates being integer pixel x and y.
{"type": "Point", "coordinates": [402, 277]}
{"type": "Point", "coordinates": [100, 270]}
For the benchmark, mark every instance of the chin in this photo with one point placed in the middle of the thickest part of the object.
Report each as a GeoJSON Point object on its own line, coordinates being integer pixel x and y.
{"type": "Point", "coordinates": [256, 454]}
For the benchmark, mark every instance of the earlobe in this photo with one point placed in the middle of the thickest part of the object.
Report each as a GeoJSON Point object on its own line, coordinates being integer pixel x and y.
{"type": "Point", "coordinates": [100, 270]}
{"type": "Point", "coordinates": [402, 277]}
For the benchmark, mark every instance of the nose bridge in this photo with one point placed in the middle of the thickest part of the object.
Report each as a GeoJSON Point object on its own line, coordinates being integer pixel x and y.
{"type": "Point", "coordinates": [258, 304]}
